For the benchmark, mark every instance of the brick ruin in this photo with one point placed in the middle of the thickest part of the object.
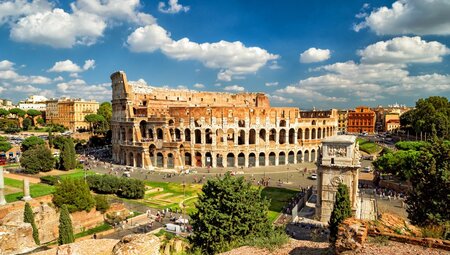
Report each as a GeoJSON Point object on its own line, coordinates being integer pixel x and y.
{"type": "Point", "coordinates": [177, 128]}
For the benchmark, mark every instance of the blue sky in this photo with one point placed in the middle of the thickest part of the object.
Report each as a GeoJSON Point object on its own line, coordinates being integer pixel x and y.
{"type": "Point", "coordinates": [322, 54]}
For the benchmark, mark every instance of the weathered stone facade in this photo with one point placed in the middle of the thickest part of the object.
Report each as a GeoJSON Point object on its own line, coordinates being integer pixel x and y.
{"type": "Point", "coordinates": [167, 128]}
{"type": "Point", "coordinates": [339, 163]}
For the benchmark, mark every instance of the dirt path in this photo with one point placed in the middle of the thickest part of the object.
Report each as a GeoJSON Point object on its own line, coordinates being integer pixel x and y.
{"type": "Point", "coordinates": [21, 177]}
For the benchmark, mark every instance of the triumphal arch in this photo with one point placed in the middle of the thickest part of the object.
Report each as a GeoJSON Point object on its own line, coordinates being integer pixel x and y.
{"type": "Point", "coordinates": [156, 127]}
{"type": "Point", "coordinates": [338, 163]}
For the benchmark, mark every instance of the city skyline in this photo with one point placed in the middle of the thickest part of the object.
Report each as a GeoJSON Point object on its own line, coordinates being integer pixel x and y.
{"type": "Point", "coordinates": [306, 54]}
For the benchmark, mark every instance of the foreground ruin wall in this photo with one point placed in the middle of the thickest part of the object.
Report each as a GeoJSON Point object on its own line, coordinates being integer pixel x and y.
{"type": "Point", "coordinates": [168, 128]}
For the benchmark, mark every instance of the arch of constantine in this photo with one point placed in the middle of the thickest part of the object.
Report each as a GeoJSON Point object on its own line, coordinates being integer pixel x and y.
{"type": "Point", "coordinates": [174, 128]}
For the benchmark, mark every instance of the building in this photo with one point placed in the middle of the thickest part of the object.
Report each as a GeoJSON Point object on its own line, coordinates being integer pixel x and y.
{"type": "Point", "coordinates": [388, 118]}
{"type": "Point", "coordinates": [173, 128]}
{"type": "Point", "coordinates": [70, 112]}
{"type": "Point", "coordinates": [34, 102]}
{"type": "Point", "coordinates": [339, 163]}
{"type": "Point", "coordinates": [361, 120]}
{"type": "Point", "coordinates": [6, 104]}
{"type": "Point", "coordinates": [391, 122]}
{"type": "Point", "coordinates": [342, 121]}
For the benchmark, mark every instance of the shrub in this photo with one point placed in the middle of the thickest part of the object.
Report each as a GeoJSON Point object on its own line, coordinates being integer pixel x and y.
{"type": "Point", "coordinates": [65, 227]}
{"type": "Point", "coordinates": [68, 158]}
{"type": "Point", "coordinates": [123, 187]}
{"type": "Point", "coordinates": [31, 142]}
{"type": "Point", "coordinates": [75, 194]}
{"type": "Point", "coordinates": [101, 203]}
{"type": "Point", "coordinates": [131, 188]}
{"type": "Point", "coordinates": [28, 217]}
{"type": "Point", "coordinates": [341, 210]}
{"type": "Point", "coordinates": [50, 179]}
{"type": "Point", "coordinates": [37, 159]}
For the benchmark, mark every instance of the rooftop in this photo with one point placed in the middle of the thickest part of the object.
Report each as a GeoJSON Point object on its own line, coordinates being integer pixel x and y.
{"type": "Point", "coordinates": [340, 139]}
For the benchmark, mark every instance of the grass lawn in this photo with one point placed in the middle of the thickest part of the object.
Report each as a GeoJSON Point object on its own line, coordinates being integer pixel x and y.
{"type": "Point", "coordinates": [36, 190]}
{"type": "Point", "coordinates": [168, 195]}
{"type": "Point", "coordinates": [92, 231]}
{"type": "Point", "coordinates": [367, 146]}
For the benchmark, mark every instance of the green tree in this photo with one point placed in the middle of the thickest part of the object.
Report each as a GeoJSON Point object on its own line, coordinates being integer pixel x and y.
{"type": "Point", "coordinates": [28, 217]}
{"type": "Point", "coordinates": [27, 123]}
{"type": "Point", "coordinates": [33, 113]}
{"type": "Point", "coordinates": [101, 203]}
{"type": "Point", "coordinates": [428, 200]}
{"type": "Point", "coordinates": [37, 159]}
{"type": "Point", "coordinates": [229, 210]}
{"type": "Point", "coordinates": [40, 121]}
{"type": "Point", "coordinates": [105, 110]}
{"type": "Point", "coordinates": [18, 112]}
{"type": "Point", "coordinates": [68, 158]}
{"type": "Point", "coordinates": [65, 227]}
{"type": "Point", "coordinates": [58, 141]}
{"type": "Point", "coordinates": [95, 120]}
{"type": "Point", "coordinates": [73, 192]}
{"type": "Point", "coordinates": [30, 142]}
{"type": "Point", "coordinates": [4, 113]}
{"type": "Point", "coordinates": [4, 144]}
{"type": "Point", "coordinates": [399, 163]}
{"type": "Point", "coordinates": [341, 210]}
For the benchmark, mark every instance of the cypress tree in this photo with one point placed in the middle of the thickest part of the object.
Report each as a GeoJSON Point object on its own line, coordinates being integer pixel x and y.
{"type": "Point", "coordinates": [341, 210]}
{"type": "Point", "coordinates": [67, 158]}
{"type": "Point", "coordinates": [28, 217]}
{"type": "Point", "coordinates": [65, 227]}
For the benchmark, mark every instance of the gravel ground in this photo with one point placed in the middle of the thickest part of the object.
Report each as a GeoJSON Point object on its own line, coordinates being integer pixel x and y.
{"type": "Point", "coordinates": [300, 247]}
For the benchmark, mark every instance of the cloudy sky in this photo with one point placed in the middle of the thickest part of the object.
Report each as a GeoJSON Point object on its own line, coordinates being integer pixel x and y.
{"type": "Point", "coordinates": [323, 54]}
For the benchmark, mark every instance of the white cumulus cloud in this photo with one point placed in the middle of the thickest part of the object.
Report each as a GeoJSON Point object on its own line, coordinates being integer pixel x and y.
{"type": "Point", "coordinates": [235, 88]}
{"type": "Point", "coordinates": [404, 50]}
{"type": "Point", "coordinates": [313, 55]}
{"type": "Point", "coordinates": [70, 67]}
{"type": "Point", "coordinates": [12, 10]}
{"type": "Point", "coordinates": [233, 59]}
{"type": "Point", "coordinates": [271, 84]}
{"type": "Point", "coordinates": [199, 86]}
{"type": "Point", "coordinates": [172, 7]}
{"type": "Point", "coordinates": [420, 17]}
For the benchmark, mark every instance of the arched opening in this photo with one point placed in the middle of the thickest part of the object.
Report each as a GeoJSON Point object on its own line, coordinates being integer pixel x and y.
{"type": "Point", "coordinates": [150, 134]}
{"type": "Point", "coordinates": [313, 155]}
{"type": "Point", "coordinates": [291, 157]}
{"type": "Point", "coordinates": [292, 136]}
{"type": "Point", "coordinates": [123, 134]}
{"type": "Point", "coordinates": [159, 160]}
{"type": "Point", "coordinates": [282, 123]}
{"type": "Point", "coordinates": [241, 159]}
{"type": "Point", "coordinates": [177, 135]}
{"type": "Point", "coordinates": [313, 122]}
{"type": "Point", "coordinates": [219, 160]}
{"type": "Point", "coordinates": [171, 122]}
{"type": "Point", "coordinates": [198, 136]}
{"type": "Point", "coordinates": [251, 159]}
{"type": "Point", "coordinates": [170, 161]}
{"type": "Point", "coordinates": [282, 138]}
{"type": "Point", "coordinates": [307, 134]}
{"type": "Point", "coordinates": [187, 135]}
{"type": "Point", "coordinates": [230, 160]}
{"type": "Point", "coordinates": [319, 133]}
{"type": "Point", "coordinates": [187, 159]}
{"type": "Point", "coordinates": [172, 134]}
{"type": "Point", "coordinates": [198, 159]}
{"type": "Point", "coordinates": [219, 136]}
{"type": "Point", "coordinates": [262, 159]}
{"type": "Point", "coordinates": [130, 133]}
{"type": "Point", "coordinates": [272, 135]}
{"type": "Point", "coordinates": [208, 136]}
{"type": "Point", "coordinates": [306, 156]}
{"type": "Point", "coordinates": [241, 123]}
{"type": "Point", "coordinates": [252, 137]}
{"type": "Point", "coordinates": [262, 136]}
{"type": "Point", "coordinates": [143, 128]}
{"type": "Point", "coordinates": [282, 158]}
{"type": "Point", "coordinates": [139, 159]}
{"type": "Point", "coordinates": [131, 159]}
{"type": "Point", "coordinates": [299, 157]}
{"type": "Point", "coordinates": [159, 133]}
{"type": "Point", "coordinates": [208, 158]}
{"type": "Point", "coordinates": [272, 159]}
{"type": "Point", "coordinates": [241, 137]}
{"type": "Point", "coordinates": [313, 133]}
{"type": "Point", "coordinates": [323, 133]}
{"type": "Point", "coordinates": [299, 135]}
{"type": "Point", "coordinates": [230, 136]}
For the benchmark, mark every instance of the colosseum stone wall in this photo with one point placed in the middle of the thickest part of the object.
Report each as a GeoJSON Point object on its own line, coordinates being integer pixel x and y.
{"type": "Point", "coordinates": [174, 128]}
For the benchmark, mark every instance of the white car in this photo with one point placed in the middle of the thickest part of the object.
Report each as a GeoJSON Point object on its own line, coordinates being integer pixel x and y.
{"type": "Point", "coordinates": [313, 177]}
{"type": "Point", "coordinates": [366, 169]}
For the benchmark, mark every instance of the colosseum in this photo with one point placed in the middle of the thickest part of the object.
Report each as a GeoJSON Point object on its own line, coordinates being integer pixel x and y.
{"type": "Point", "coordinates": [174, 128]}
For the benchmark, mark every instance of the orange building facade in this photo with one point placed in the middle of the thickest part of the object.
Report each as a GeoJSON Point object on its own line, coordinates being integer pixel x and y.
{"type": "Point", "coordinates": [361, 120]}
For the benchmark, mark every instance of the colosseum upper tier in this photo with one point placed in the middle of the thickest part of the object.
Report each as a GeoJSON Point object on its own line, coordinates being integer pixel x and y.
{"type": "Point", "coordinates": [175, 128]}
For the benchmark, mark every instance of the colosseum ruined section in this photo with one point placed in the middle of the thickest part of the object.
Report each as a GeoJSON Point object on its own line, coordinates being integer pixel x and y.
{"type": "Point", "coordinates": [174, 128]}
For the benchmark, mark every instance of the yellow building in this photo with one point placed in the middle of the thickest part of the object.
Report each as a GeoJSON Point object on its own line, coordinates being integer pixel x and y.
{"type": "Point", "coordinates": [70, 112]}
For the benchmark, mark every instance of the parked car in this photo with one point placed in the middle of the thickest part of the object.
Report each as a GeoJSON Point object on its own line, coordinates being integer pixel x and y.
{"type": "Point", "coordinates": [313, 177]}
{"type": "Point", "coordinates": [366, 169]}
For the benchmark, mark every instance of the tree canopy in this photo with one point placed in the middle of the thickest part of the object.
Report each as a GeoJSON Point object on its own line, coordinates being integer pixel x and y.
{"type": "Point", "coordinates": [18, 112]}
{"type": "Point", "coordinates": [33, 112]}
{"type": "Point", "coordinates": [68, 159]}
{"type": "Point", "coordinates": [73, 192]}
{"type": "Point", "coordinates": [341, 210]}
{"type": "Point", "coordinates": [95, 120]}
{"type": "Point", "coordinates": [31, 142]}
{"type": "Point", "coordinates": [37, 159]}
{"type": "Point", "coordinates": [429, 112]}
{"type": "Point", "coordinates": [105, 110]}
{"type": "Point", "coordinates": [3, 113]}
{"type": "Point", "coordinates": [228, 211]}
{"type": "Point", "coordinates": [28, 217]}
{"type": "Point", "coordinates": [4, 144]}
{"type": "Point", "coordinates": [65, 227]}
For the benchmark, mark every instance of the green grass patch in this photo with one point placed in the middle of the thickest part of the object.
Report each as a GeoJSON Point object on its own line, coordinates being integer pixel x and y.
{"type": "Point", "coordinates": [278, 199]}
{"type": "Point", "coordinates": [76, 173]}
{"type": "Point", "coordinates": [36, 189]}
{"type": "Point", "coordinates": [368, 147]}
{"type": "Point", "coordinates": [95, 230]}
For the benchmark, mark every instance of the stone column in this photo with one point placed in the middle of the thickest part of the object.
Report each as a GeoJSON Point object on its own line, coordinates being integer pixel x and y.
{"type": "Point", "coordinates": [277, 159]}
{"type": "Point", "coordinates": [246, 160]}
{"type": "Point", "coordinates": [2, 187]}
{"type": "Point", "coordinates": [214, 160]}
{"type": "Point", "coordinates": [26, 190]}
